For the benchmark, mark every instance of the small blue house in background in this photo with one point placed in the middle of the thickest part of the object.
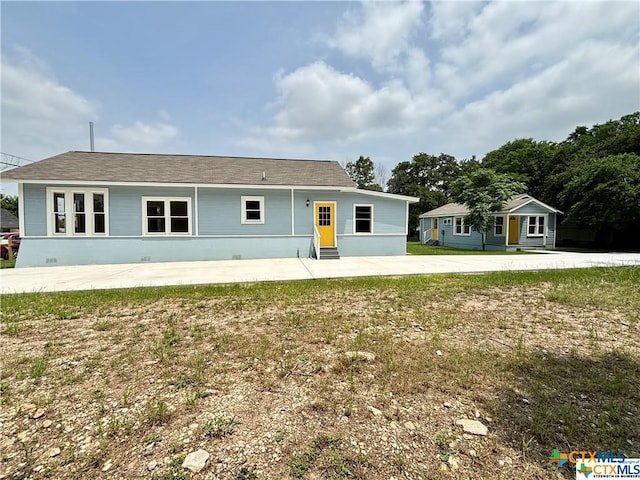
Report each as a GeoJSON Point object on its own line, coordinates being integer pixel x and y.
{"type": "Point", "coordinates": [92, 207]}
{"type": "Point", "coordinates": [523, 223]}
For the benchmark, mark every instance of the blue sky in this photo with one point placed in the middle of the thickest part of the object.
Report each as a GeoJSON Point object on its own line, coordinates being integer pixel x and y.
{"type": "Point", "coordinates": [329, 80]}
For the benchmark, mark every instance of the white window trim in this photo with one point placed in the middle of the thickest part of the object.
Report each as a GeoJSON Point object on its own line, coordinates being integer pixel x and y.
{"type": "Point", "coordinates": [537, 225]}
{"type": "Point", "coordinates": [167, 216]}
{"type": "Point", "coordinates": [68, 212]}
{"type": "Point", "coordinates": [462, 225]}
{"type": "Point", "coordinates": [371, 232]}
{"type": "Point", "coordinates": [243, 215]}
{"type": "Point", "coordinates": [504, 223]}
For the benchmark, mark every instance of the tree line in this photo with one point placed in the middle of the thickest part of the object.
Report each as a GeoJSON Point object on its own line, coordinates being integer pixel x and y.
{"type": "Point", "coordinates": [593, 177]}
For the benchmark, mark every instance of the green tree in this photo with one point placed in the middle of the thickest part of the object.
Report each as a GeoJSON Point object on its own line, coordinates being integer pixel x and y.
{"type": "Point", "coordinates": [484, 192]}
{"type": "Point", "coordinates": [428, 177]}
{"type": "Point", "coordinates": [585, 144]}
{"type": "Point", "coordinates": [604, 194]}
{"type": "Point", "coordinates": [362, 172]}
{"type": "Point", "coordinates": [527, 160]}
{"type": "Point", "coordinates": [9, 202]}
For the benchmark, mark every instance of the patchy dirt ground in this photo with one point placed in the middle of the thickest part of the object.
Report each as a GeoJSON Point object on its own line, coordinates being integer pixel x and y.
{"type": "Point", "coordinates": [268, 384]}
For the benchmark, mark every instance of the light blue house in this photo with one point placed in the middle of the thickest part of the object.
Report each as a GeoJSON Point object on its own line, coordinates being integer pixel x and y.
{"type": "Point", "coordinates": [92, 207]}
{"type": "Point", "coordinates": [523, 223]}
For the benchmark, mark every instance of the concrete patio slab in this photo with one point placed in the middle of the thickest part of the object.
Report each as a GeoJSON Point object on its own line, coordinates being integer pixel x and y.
{"type": "Point", "coordinates": [93, 277]}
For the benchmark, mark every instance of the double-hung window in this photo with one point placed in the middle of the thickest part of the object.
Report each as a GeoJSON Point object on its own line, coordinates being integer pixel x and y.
{"type": "Point", "coordinates": [77, 212]}
{"type": "Point", "coordinates": [363, 219]}
{"type": "Point", "coordinates": [166, 216]}
{"type": "Point", "coordinates": [252, 210]}
{"type": "Point", "coordinates": [498, 227]}
{"type": "Point", "coordinates": [536, 226]}
{"type": "Point", "coordinates": [460, 228]}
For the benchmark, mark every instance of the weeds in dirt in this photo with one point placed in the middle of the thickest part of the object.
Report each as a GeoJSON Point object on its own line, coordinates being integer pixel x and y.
{"type": "Point", "coordinates": [247, 473]}
{"type": "Point", "coordinates": [220, 426]}
{"type": "Point", "coordinates": [157, 412]}
{"type": "Point", "coordinates": [174, 471]}
{"type": "Point", "coordinates": [544, 359]}
{"type": "Point", "coordinates": [38, 367]}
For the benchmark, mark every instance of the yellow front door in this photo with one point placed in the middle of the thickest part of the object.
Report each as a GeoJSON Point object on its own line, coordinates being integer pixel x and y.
{"type": "Point", "coordinates": [514, 230]}
{"type": "Point", "coordinates": [434, 229]}
{"type": "Point", "coordinates": [326, 223]}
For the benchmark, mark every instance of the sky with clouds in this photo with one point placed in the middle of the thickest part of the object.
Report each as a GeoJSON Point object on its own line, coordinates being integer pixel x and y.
{"type": "Point", "coordinates": [327, 80]}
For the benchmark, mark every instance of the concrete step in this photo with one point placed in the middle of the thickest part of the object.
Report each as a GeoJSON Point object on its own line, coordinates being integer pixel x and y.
{"type": "Point", "coordinates": [329, 253]}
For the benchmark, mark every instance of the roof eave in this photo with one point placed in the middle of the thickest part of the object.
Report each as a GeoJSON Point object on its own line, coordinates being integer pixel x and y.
{"type": "Point", "coordinates": [179, 184]}
{"type": "Point", "coordinates": [375, 193]}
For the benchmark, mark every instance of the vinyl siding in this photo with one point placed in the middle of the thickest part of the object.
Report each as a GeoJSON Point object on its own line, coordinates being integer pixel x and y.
{"type": "Point", "coordinates": [498, 240]}
{"type": "Point", "coordinates": [537, 241]}
{"type": "Point", "coordinates": [35, 210]}
{"type": "Point", "coordinates": [221, 235]}
{"type": "Point", "coordinates": [220, 212]}
{"type": "Point", "coordinates": [125, 206]}
{"type": "Point", "coordinates": [389, 216]}
{"type": "Point", "coordinates": [474, 241]}
{"type": "Point", "coordinates": [530, 209]}
{"type": "Point", "coordinates": [448, 239]}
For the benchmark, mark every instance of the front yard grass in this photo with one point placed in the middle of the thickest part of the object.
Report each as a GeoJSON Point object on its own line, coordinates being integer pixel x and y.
{"type": "Point", "coordinates": [416, 248]}
{"type": "Point", "coordinates": [7, 263]}
{"type": "Point", "coordinates": [125, 383]}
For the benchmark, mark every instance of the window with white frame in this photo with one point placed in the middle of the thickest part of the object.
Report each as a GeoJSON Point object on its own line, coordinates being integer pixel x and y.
{"type": "Point", "coordinates": [77, 212]}
{"type": "Point", "coordinates": [363, 219]}
{"type": "Point", "coordinates": [460, 228]}
{"type": "Point", "coordinates": [498, 227]}
{"type": "Point", "coordinates": [166, 216]}
{"type": "Point", "coordinates": [536, 226]}
{"type": "Point", "coordinates": [252, 210]}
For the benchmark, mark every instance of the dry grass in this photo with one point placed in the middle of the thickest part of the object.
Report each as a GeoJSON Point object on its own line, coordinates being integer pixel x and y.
{"type": "Point", "coordinates": [257, 376]}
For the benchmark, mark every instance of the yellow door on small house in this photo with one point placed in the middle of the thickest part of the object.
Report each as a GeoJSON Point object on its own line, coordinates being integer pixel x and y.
{"type": "Point", "coordinates": [326, 223]}
{"type": "Point", "coordinates": [514, 229]}
{"type": "Point", "coordinates": [434, 228]}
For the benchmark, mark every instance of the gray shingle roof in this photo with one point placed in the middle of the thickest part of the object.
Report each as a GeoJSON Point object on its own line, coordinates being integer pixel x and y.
{"type": "Point", "coordinates": [8, 221]}
{"type": "Point", "coordinates": [188, 169]}
{"type": "Point", "coordinates": [461, 209]}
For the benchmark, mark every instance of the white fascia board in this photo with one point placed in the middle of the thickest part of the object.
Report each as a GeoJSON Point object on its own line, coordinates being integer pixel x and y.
{"type": "Point", "coordinates": [373, 193]}
{"type": "Point", "coordinates": [439, 215]}
{"type": "Point", "coordinates": [190, 185]}
{"type": "Point", "coordinates": [533, 200]}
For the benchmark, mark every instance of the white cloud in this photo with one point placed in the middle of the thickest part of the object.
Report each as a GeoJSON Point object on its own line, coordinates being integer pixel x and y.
{"type": "Point", "coordinates": [449, 20]}
{"type": "Point", "coordinates": [380, 31]}
{"type": "Point", "coordinates": [40, 116]}
{"type": "Point", "coordinates": [550, 104]}
{"type": "Point", "coordinates": [481, 74]}
{"type": "Point", "coordinates": [142, 134]}
{"type": "Point", "coordinates": [508, 42]}
{"type": "Point", "coordinates": [318, 102]}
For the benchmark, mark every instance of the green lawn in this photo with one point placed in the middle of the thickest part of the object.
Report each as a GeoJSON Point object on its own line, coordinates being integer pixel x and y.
{"type": "Point", "coordinates": [416, 248]}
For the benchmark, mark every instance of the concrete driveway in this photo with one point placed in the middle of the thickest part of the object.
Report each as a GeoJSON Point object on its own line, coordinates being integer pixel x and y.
{"type": "Point", "coordinates": [92, 277]}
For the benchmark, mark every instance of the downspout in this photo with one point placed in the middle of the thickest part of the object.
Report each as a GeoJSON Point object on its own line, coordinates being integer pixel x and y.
{"type": "Point", "coordinates": [506, 237]}
{"type": "Point", "coordinates": [21, 209]}
{"type": "Point", "coordinates": [195, 212]}
{"type": "Point", "coordinates": [406, 221]}
{"type": "Point", "coordinates": [293, 214]}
